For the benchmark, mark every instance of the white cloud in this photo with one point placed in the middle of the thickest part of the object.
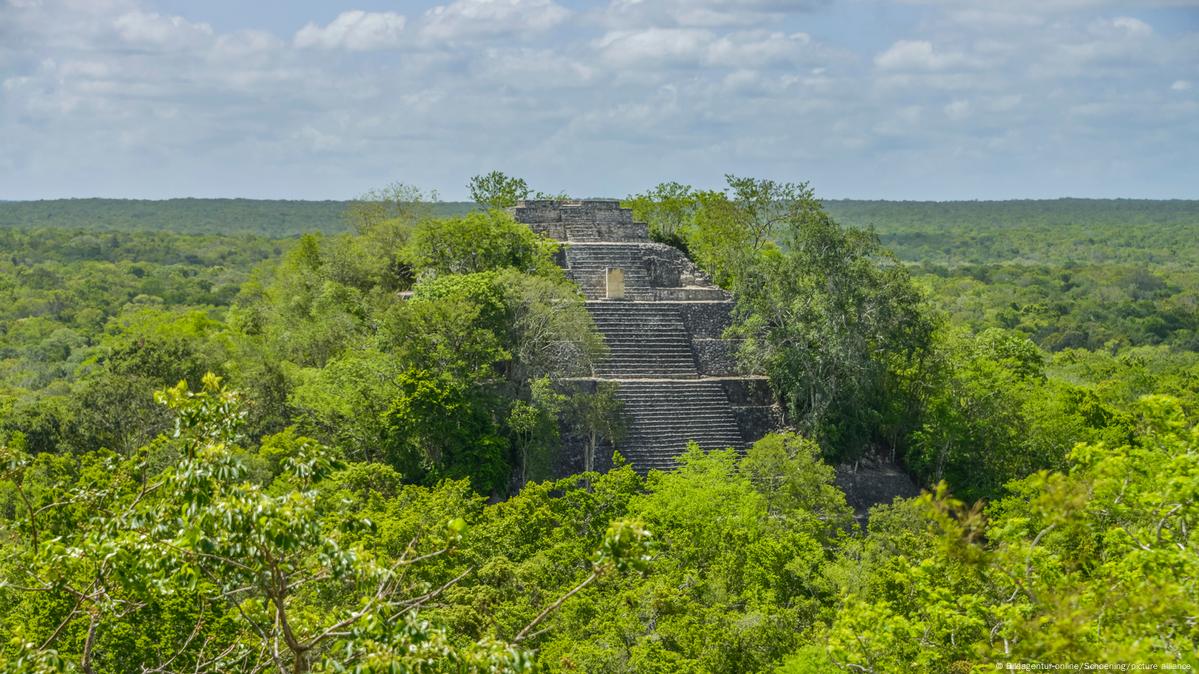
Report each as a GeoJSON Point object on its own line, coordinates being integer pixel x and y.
{"type": "Point", "coordinates": [1121, 27]}
{"type": "Point", "coordinates": [654, 46]}
{"type": "Point", "coordinates": [355, 30]}
{"type": "Point", "coordinates": [964, 98]}
{"type": "Point", "coordinates": [163, 31]}
{"type": "Point", "coordinates": [694, 47]}
{"type": "Point", "coordinates": [545, 66]}
{"type": "Point", "coordinates": [1005, 103]}
{"type": "Point", "coordinates": [640, 14]}
{"type": "Point", "coordinates": [917, 55]}
{"type": "Point", "coordinates": [473, 18]}
{"type": "Point", "coordinates": [1050, 6]}
{"type": "Point", "coordinates": [994, 17]}
{"type": "Point", "coordinates": [245, 42]}
{"type": "Point", "coordinates": [13, 83]}
{"type": "Point", "coordinates": [958, 110]}
{"type": "Point", "coordinates": [317, 140]}
{"type": "Point", "coordinates": [756, 48]}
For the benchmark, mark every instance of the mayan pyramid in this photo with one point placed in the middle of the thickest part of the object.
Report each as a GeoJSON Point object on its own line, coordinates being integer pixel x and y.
{"type": "Point", "coordinates": [663, 321]}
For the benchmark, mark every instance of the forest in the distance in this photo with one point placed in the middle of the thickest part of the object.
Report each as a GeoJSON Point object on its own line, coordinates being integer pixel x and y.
{"type": "Point", "coordinates": [226, 444]}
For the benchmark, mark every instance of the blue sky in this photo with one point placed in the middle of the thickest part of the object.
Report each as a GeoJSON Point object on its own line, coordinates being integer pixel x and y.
{"type": "Point", "coordinates": [914, 99]}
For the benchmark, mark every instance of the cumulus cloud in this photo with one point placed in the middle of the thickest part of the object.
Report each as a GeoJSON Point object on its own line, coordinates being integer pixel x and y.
{"type": "Point", "coordinates": [655, 45]}
{"type": "Point", "coordinates": [534, 65]}
{"type": "Point", "coordinates": [1051, 6]}
{"type": "Point", "coordinates": [696, 47]}
{"type": "Point", "coordinates": [474, 18]}
{"type": "Point", "coordinates": [917, 55]}
{"type": "Point", "coordinates": [245, 42]}
{"type": "Point", "coordinates": [960, 99]}
{"type": "Point", "coordinates": [1121, 27]}
{"type": "Point", "coordinates": [155, 29]}
{"type": "Point", "coordinates": [958, 110]}
{"type": "Point", "coordinates": [355, 30]}
{"type": "Point", "coordinates": [702, 13]}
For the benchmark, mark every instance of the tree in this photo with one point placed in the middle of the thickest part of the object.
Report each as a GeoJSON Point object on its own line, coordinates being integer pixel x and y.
{"type": "Point", "coordinates": [440, 426]}
{"type": "Point", "coordinates": [719, 242]}
{"type": "Point", "coordinates": [382, 220]}
{"type": "Point", "coordinates": [1092, 563]}
{"type": "Point", "coordinates": [217, 572]}
{"type": "Point", "coordinates": [496, 190]}
{"type": "Point", "coordinates": [764, 207]}
{"type": "Point", "coordinates": [598, 415]}
{"type": "Point", "coordinates": [535, 425]}
{"type": "Point", "coordinates": [550, 331]}
{"type": "Point", "coordinates": [724, 230]}
{"type": "Point", "coordinates": [346, 401]}
{"type": "Point", "coordinates": [391, 209]}
{"type": "Point", "coordinates": [835, 323]}
{"type": "Point", "coordinates": [734, 584]}
{"type": "Point", "coordinates": [668, 211]}
{"type": "Point", "coordinates": [479, 242]}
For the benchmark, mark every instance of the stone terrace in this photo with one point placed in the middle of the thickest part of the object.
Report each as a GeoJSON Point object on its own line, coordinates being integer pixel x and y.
{"type": "Point", "coordinates": [663, 321]}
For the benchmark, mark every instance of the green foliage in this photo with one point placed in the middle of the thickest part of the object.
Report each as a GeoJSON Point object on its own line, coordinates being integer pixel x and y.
{"type": "Point", "coordinates": [991, 415]}
{"type": "Point", "coordinates": [725, 231]}
{"type": "Point", "coordinates": [1089, 306]}
{"type": "Point", "coordinates": [836, 325]}
{"type": "Point", "coordinates": [834, 322]}
{"type": "Point", "coordinates": [720, 242]}
{"type": "Point", "coordinates": [668, 210]}
{"type": "Point", "coordinates": [246, 577]}
{"type": "Point", "coordinates": [730, 588]}
{"type": "Point", "coordinates": [1090, 564]}
{"type": "Point", "coordinates": [199, 567]}
{"type": "Point", "coordinates": [58, 300]}
{"type": "Point", "coordinates": [391, 210]}
{"type": "Point", "coordinates": [375, 498]}
{"type": "Point", "coordinates": [479, 242]}
{"type": "Point", "coordinates": [489, 315]}
{"type": "Point", "coordinates": [597, 415]}
{"type": "Point", "coordinates": [496, 190]}
{"type": "Point", "coordinates": [535, 426]}
{"type": "Point", "coordinates": [210, 415]}
{"type": "Point", "coordinates": [274, 218]}
{"type": "Point", "coordinates": [440, 426]}
{"type": "Point", "coordinates": [1056, 232]}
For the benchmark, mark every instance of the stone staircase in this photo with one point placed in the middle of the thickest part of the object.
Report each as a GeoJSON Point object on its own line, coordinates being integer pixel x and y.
{"type": "Point", "coordinates": [645, 339]}
{"type": "Point", "coordinates": [581, 231]}
{"type": "Point", "coordinates": [664, 415]}
{"type": "Point", "coordinates": [660, 335]}
{"type": "Point", "coordinates": [587, 263]}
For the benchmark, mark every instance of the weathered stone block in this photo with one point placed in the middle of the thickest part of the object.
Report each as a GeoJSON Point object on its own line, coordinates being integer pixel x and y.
{"type": "Point", "coordinates": [756, 421]}
{"type": "Point", "coordinates": [622, 231]}
{"type": "Point", "coordinates": [690, 295]}
{"type": "Point", "coordinates": [706, 319]}
{"type": "Point", "coordinates": [663, 272]}
{"type": "Point", "coordinates": [715, 357]}
{"type": "Point", "coordinates": [614, 283]}
{"type": "Point", "coordinates": [553, 230]}
{"type": "Point", "coordinates": [748, 391]}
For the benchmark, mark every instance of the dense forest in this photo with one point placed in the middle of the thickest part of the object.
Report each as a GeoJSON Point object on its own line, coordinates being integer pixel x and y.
{"type": "Point", "coordinates": [318, 436]}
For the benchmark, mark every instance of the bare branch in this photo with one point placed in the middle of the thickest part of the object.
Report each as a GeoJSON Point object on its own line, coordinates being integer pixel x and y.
{"type": "Point", "coordinates": [554, 606]}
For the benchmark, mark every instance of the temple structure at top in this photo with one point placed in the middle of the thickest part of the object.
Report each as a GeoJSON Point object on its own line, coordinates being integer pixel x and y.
{"type": "Point", "coordinates": [663, 321]}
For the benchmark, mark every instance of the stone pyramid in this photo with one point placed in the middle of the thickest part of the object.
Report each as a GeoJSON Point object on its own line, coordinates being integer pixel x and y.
{"type": "Point", "coordinates": [663, 321]}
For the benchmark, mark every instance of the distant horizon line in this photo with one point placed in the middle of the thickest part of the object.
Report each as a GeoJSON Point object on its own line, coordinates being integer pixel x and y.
{"type": "Point", "coordinates": [467, 201]}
